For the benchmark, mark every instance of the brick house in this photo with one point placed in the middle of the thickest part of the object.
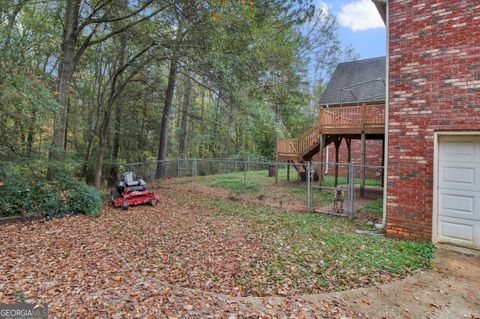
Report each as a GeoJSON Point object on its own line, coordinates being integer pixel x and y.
{"type": "Point", "coordinates": [429, 122]}
{"type": "Point", "coordinates": [351, 84]}
{"type": "Point", "coordinates": [433, 120]}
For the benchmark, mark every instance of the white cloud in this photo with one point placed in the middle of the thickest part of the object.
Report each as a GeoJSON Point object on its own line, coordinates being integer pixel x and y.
{"type": "Point", "coordinates": [360, 15]}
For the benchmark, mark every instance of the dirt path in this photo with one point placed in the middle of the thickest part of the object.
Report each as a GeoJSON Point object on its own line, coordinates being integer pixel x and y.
{"type": "Point", "coordinates": [451, 290]}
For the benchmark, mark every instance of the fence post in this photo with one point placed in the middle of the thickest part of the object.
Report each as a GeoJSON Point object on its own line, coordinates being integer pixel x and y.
{"type": "Point", "coordinates": [309, 187]}
{"type": "Point", "coordinates": [149, 173]}
{"type": "Point", "coordinates": [194, 169]}
{"type": "Point", "coordinates": [178, 167]}
{"type": "Point", "coordinates": [276, 172]}
{"type": "Point", "coordinates": [245, 168]}
{"type": "Point", "coordinates": [352, 189]}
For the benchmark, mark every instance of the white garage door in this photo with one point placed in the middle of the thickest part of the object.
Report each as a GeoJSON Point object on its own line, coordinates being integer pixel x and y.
{"type": "Point", "coordinates": [458, 219]}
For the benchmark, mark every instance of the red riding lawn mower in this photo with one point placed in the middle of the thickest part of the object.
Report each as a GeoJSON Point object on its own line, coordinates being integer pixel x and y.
{"type": "Point", "coordinates": [131, 190]}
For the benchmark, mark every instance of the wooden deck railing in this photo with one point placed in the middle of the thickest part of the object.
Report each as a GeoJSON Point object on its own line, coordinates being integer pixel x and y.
{"type": "Point", "coordinates": [287, 147]}
{"type": "Point", "coordinates": [309, 140]}
{"type": "Point", "coordinates": [360, 116]}
{"type": "Point", "coordinates": [335, 120]}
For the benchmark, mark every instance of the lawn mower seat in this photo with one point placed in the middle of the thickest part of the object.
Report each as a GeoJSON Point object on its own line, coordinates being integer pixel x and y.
{"type": "Point", "coordinates": [131, 181]}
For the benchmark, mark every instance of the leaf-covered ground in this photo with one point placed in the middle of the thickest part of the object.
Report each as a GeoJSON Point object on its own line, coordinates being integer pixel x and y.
{"type": "Point", "coordinates": [193, 255]}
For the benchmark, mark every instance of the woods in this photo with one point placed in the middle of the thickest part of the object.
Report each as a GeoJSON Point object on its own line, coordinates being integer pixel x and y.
{"type": "Point", "coordinates": [87, 85]}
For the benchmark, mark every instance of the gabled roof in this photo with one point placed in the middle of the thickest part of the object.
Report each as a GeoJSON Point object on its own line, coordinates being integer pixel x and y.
{"type": "Point", "coordinates": [356, 81]}
{"type": "Point", "coordinates": [382, 8]}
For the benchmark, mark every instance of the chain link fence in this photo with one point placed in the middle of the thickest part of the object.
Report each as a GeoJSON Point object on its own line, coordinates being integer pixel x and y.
{"type": "Point", "coordinates": [343, 189]}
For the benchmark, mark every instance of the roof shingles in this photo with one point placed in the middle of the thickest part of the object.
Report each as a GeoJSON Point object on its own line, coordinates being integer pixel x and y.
{"type": "Point", "coordinates": [361, 81]}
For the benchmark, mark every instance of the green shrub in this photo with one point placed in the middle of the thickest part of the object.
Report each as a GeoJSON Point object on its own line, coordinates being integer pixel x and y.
{"type": "Point", "coordinates": [22, 194]}
{"type": "Point", "coordinates": [47, 198]}
{"type": "Point", "coordinates": [16, 196]}
{"type": "Point", "coordinates": [85, 199]}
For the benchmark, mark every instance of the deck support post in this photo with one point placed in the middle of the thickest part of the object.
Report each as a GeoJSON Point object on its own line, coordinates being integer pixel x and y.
{"type": "Point", "coordinates": [362, 169]}
{"type": "Point", "coordinates": [309, 185]}
{"type": "Point", "coordinates": [321, 166]}
{"type": "Point", "coordinates": [337, 141]}
{"type": "Point", "coordinates": [288, 171]}
{"type": "Point", "coordinates": [349, 155]}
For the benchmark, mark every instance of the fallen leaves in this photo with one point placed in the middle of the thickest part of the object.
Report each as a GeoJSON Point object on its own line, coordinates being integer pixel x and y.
{"type": "Point", "coordinates": [174, 260]}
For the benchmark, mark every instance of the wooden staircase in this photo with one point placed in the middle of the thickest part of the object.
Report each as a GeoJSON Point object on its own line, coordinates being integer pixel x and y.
{"type": "Point", "coordinates": [334, 123]}
{"type": "Point", "coordinates": [302, 149]}
{"type": "Point", "coordinates": [339, 121]}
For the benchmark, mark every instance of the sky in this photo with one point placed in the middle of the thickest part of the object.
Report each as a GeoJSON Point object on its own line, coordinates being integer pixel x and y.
{"type": "Point", "coordinates": [360, 25]}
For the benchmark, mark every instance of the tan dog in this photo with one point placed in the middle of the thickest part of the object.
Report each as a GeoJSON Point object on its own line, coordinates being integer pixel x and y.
{"type": "Point", "coordinates": [339, 199]}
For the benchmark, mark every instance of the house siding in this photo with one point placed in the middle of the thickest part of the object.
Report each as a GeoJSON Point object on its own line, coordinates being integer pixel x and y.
{"type": "Point", "coordinates": [434, 85]}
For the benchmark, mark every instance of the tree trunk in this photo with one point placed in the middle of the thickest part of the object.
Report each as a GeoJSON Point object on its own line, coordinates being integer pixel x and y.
{"type": "Point", "coordinates": [118, 114]}
{"type": "Point", "coordinates": [202, 125]}
{"type": "Point", "coordinates": [93, 121]}
{"type": "Point", "coordinates": [88, 137]}
{"type": "Point", "coordinates": [167, 108]}
{"type": "Point", "coordinates": [31, 132]}
{"type": "Point", "coordinates": [278, 115]}
{"type": "Point", "coordinates": [66, 71]}
{"type": "Point", "coordinates": [184, 123]}
{"type": "Point", "coordinates": [228, 132]}
{"type": "Point", "coordinates": [103, 136]}
{"type": "Point", "coordinates": [66, 126]}
{"type": "Point", "coordinates": [118, 68]}
{"type": "Point", "coordinates": [238, 138]}
{"type": "Point", "coordinates": [116, 142]}
{"type": "Point", "coordinates": [214, 135]}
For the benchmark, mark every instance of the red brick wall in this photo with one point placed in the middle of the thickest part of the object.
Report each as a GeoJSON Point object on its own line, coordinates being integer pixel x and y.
{"type": "Point", "coordinates": [434, 85]}
{"type": "Point", "coordinates": [373, 151]}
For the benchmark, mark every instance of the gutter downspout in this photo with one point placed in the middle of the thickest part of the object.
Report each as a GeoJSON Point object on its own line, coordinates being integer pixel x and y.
{"type": "Point", "coordinates": [387, 97]}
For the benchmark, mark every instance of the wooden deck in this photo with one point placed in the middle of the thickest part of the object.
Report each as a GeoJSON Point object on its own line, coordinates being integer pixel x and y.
{"type": "Point", "coordinates": [368, 119]}
{"type": "Point", "coordinates": [353, 121]}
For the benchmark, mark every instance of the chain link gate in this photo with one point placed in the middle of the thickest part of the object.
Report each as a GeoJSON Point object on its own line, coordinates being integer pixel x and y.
{"type": "Point", "coordinates": [333, 194]}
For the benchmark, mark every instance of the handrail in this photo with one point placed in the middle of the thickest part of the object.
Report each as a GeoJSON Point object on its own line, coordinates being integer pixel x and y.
{"type": "Point", "coordinates": [346, 117]}
{"type": "Point", "coordinates": [353, 116]}
{"type": "Point", "coordinates": [308, 140]}
{"type": "Point", "coordinates": [310, 130]}
{"type": "Point", "coordinates": [287, 147]}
